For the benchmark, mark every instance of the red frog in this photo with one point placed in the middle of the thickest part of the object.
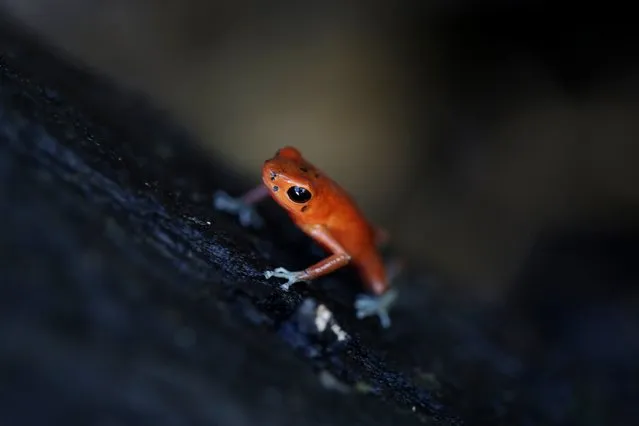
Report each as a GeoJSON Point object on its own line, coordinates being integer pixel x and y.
{"type": "Point", "coordinates": [326, 213]}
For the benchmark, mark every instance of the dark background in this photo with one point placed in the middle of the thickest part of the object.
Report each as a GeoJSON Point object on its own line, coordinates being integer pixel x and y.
{"type": "Point", "coordinates": [496, 141]}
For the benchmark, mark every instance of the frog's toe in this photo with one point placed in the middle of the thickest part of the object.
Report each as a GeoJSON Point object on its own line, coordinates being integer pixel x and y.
{"type": "Point", "coordinates": [224, 202]}
{"type": "Point", "coordinates": [237, 206]}
{"type": "Point", "coordinates": [249, 217]}
{"type": "Point", "coordinates": [367, 305]}
{"type": "Point", "coordinates": [291, 276]}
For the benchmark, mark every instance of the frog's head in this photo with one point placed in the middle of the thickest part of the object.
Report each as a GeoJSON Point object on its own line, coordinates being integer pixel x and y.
{"type": "Point", "coordinates": [290, 179]}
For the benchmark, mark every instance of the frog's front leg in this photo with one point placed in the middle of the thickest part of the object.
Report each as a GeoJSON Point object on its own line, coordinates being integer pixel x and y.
{"type": "Point", "coordinates": [323, 267]}
{"type": "Point", "coordinates": [337, 260]}
{"type": "Point", "coordinates": [291, 277]}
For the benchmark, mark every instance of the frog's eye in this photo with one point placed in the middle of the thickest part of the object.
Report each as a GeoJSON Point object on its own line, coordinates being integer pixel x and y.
{"type": "Point", "coordinates": [300, 195]}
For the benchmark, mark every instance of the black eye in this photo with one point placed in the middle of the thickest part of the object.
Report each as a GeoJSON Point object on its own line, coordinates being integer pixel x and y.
{"type": "Point", "coordinates": [297, 194]}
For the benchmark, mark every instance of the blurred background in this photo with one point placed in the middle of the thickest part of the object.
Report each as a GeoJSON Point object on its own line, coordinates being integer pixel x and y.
{"type": "Point", "coordinates": [466, 129]}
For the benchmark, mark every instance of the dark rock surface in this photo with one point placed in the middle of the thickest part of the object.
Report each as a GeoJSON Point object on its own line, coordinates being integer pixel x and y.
{"type": "Point", "coordinates": [126, 299]}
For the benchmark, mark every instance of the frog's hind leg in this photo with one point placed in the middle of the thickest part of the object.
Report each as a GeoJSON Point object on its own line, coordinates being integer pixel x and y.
{"type": "Point", "coordinates": [367, 305]}
{"type": "Point", "coordinates": [379, 304]}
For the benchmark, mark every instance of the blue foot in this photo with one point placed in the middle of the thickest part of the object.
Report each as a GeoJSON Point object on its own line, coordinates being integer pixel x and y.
{"type": "Point", "coordinates": [367, 305]}
{"type": "Point", "coordinates": [245, 212]}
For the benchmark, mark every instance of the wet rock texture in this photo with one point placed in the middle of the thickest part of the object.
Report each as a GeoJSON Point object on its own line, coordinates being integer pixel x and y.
{"type": "Point", "coordinates": [126, 299]}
